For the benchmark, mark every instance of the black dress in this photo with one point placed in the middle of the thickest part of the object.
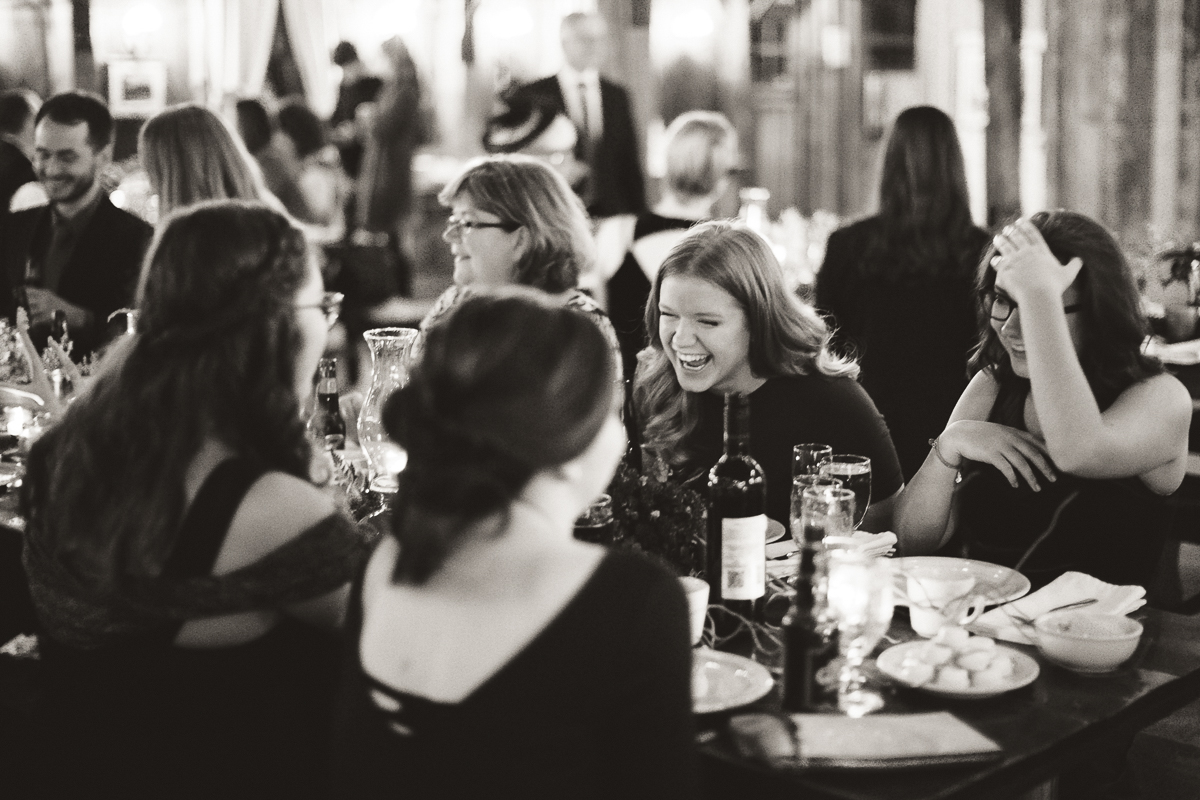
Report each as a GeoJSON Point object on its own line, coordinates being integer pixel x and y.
{"type": "Point", "coordinates": [138, 717]}
{"type": "Point", "coordinates": [1110, 529]}
{"type": "Point", "coordinates": [597, 705]}
{"type": "Point", "coordinates": [794, 410]}
{"type": "Point", "coordinates": [911, 332]}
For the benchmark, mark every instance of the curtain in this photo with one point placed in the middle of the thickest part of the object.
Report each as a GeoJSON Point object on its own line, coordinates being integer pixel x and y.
{"type": "Point", "coordinates": [250, 24]}
{"type": "Point", "coordinates": [313, 31]}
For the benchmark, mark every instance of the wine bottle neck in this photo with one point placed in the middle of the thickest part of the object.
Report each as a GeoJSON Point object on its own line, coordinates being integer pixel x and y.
{"type": "Point", "coordinates": [737, 424]}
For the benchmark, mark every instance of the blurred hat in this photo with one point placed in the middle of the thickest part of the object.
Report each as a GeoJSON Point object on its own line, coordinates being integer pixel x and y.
{"type": "Point", "coordinates": [519, 121]}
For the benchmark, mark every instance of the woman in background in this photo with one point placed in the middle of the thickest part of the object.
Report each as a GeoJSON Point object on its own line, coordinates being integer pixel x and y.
{"type": "Point", "coordinates": [1068, 437]}
{"type": "Point", "coordinates": [514, 220]}
{"type": "Point", "coordinates": [494, 654]}
{"type": "Point", "coordinates": [701, 152]}
{"type": "Point", "coordinates": [722, 320]}
{"type": "Point", "coordinates": [322, 182]}
{"type": "Point", "coordinates": [185, 573]}
{"type": "Point", "coordinates": [900, 284]}
{"type": "Point", "coordinates": [190, 155]}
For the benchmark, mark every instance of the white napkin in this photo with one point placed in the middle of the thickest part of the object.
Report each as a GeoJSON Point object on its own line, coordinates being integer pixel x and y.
{"type": "Point", "coordinates": [871, 544]}
{"type": "Point", "coordinates": [1067, 588]}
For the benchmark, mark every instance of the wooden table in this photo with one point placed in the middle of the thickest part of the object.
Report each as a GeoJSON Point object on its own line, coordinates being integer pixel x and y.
{"type": "Point", "coordinates": [1045, 728]}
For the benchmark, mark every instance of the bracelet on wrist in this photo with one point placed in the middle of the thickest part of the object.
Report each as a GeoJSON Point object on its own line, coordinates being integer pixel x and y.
{"type": "Point", "coordinates": [937, 451]}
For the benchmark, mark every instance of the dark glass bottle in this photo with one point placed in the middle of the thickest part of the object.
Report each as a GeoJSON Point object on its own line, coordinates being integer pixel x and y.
{"type": "Point", "coordinates": [809, 642]}
{"type": "Point", "coordinates": [737, 520]}
{"type": "Point", "coordinates": [326, 426]}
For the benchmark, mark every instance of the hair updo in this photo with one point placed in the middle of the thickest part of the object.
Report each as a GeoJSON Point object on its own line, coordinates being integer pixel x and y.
{"type": "Point", "coordinates": [510, 383]}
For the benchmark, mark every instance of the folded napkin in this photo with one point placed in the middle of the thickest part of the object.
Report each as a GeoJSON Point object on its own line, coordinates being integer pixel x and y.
{"type": "Point", "coordinates": [1069, 587]}
{"type": "Point", "coordinates": [1181, 353]}
{"type": "Point", "coordinates": [871, 544]}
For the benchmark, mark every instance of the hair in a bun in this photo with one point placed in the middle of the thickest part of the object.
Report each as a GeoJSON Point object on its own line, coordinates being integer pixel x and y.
{"type": "Point", "coordinates": [510, 383]}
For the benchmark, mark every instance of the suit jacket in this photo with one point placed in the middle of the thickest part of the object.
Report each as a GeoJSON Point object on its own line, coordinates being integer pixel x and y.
{"type": "Point", "coordinates": [617, 186]}
{"type": "Point", "coordinates": [15, 172]}
{"type": "Point", "coordinates": [100, 276]}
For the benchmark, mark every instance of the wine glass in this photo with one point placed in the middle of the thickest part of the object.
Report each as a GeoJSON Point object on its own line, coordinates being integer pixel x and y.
{"type": "Point", "coordinates": [855, 474]}
{"type": "Point", "coordinates": [807, 458]}
{"type": "Point", "coordinates": [860, 599]}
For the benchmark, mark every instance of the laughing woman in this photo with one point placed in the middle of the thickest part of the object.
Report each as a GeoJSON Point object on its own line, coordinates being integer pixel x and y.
{"type": "Point", "coordinates": [721, 320]}
{"type": "Point", "coordinates": [1060, 451]}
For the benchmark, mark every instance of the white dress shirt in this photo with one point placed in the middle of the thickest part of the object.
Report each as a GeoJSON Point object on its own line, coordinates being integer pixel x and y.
{"type": "Point", "coordinates": [570, 81]}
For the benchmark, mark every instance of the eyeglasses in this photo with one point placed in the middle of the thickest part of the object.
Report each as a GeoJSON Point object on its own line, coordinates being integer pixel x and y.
{"type": "Point", "coordinates": [454, 227]}
{"type": "Point", "coordinates": [330, 306]}
{"type": "Point", "coordinates": [1003, 306]}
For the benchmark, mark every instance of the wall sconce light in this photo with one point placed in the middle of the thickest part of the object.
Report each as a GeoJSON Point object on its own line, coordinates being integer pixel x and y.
{"type": "Point", "coordinates": [139, 25]}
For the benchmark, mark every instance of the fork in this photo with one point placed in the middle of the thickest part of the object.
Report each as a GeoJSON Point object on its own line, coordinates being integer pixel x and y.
{"type": "Point", "coordinates": [1021, 619]}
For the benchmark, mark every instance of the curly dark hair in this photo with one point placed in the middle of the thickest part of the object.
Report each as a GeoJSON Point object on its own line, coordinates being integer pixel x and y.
{"type": "Point", "coordinates": [510, 383]}
{"type": "Point", "coordinates": [214, 356]}
{"type": "Point", "coordinates": [1113, 323]}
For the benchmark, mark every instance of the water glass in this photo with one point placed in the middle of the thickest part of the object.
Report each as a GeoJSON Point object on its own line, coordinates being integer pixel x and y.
{"type": "Point", "coordinates": [860, 600]}
{"type": "Point", "coordinates": [807, 458]}
{"type": "Point", "coordinates": [855, 474]}
{"type": "Point", "coordinates": [799, 484]}
{"type": "Point", "coordinates": [824, 511]}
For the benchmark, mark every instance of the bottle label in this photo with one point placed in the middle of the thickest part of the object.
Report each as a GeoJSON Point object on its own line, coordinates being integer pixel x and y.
{"type": "Point", "coordinates": [743, 557]}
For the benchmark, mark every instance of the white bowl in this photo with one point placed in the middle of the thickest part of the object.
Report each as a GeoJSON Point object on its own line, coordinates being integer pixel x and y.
{"type": "Point", "coordinates": [1087, 641]}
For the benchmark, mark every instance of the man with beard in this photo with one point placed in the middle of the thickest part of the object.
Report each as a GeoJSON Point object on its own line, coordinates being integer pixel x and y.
{"type": "Point", "coordinates": [80, 254]}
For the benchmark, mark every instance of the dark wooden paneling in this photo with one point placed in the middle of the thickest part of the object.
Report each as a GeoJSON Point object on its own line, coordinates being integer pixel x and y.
{"type": "Point", "coordinates": [1002, 67]}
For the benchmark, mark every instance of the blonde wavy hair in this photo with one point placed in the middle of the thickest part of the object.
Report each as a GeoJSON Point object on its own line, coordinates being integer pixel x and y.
{"type": "Point", "coordinates": [787, 337]}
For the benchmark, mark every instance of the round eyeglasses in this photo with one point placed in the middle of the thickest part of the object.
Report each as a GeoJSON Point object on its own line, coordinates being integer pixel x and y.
{"type": "Point", "coordinates": [330, 306]}
{"type": "Point", "coordinates": [1002, 306]}
{"type": "Point", "coordinates": [455, 227]}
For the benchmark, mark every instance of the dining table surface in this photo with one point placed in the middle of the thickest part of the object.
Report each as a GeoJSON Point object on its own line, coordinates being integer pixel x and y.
{"type": "Point", "coordinates": [1044, 728]}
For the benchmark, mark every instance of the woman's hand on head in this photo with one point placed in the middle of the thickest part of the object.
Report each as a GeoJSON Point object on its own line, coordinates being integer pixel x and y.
{"type": "Point", "coordinates": [1013, 452]}
{"type": "Point", "coordinates": [1026, 266]}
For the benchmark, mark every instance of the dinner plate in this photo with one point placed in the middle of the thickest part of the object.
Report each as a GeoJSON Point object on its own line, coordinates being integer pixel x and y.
{"type": "Point", "coordinates": [721, 681]}
{"type": "Point", "coordinates": [775, 531]}
{"type": "Point", "coordinates": [995, 583]}
{"type": "Point", "coordinates": [1025, 672]}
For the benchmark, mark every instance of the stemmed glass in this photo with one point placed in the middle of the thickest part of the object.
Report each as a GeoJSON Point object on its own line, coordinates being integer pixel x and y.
{"type": "Point", "coordinates": [807, 458]}
{"type": "Point", "coordinates": [855, 474]}
{"type": "Point", "coordinates": [860, 599]}
{"type": "Point", "coordinates": [826, 509]}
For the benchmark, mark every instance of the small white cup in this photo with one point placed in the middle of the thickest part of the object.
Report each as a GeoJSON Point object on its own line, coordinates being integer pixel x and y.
{"type": "Point", "coordinates": [932, 591]}
{"type": "Point", "coordinates": [697, 597]}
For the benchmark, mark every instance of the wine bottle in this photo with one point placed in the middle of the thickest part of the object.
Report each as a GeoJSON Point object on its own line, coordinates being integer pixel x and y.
{"type": "Point", "coordinates": [737, 520]}
{"type": "Point", "coordinates": [808, 639]}
{"type": "Point", "coordinates": [326, 425]}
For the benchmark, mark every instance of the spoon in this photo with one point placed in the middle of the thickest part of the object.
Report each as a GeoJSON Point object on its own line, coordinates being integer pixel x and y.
{"type": "Point", "coordinates": [1023, 620]}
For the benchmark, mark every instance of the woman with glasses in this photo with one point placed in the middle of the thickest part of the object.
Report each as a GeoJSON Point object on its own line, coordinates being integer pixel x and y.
{"type": "Point", "coordinates": [514, 220]}
{"type": "Point", "coordinates": [186, 574]}
{"type": "Point", "coordinates": [1067, 439]}
{"type": "Point", "coordinates": [900, 284]}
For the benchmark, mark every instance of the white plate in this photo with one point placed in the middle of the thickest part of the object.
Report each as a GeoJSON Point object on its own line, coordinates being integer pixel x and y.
{"type": "Point", "coordinates": [1025, 672]}
{"type": "Point", "coordinates": [996, 583]}
{"type": "Point", "coordinates": [721, 681]}
{"type": "Point", "coordinates": [775, 531]}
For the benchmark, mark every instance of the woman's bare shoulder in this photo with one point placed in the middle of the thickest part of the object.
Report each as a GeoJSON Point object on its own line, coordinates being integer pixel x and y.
{"type": "Point", "coordinates": [276, 509]}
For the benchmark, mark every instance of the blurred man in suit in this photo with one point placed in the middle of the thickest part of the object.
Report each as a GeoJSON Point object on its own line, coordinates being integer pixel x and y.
{"type": "Point", "coordinates": [80, 254]}
{"type": "Point", "coordinates": [18, 107]}
{"type": "Point", "coordinates": [601, 112]}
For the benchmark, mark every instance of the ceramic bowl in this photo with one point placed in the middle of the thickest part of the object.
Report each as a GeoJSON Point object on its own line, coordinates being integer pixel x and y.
{"type": "Point", "coordinates": [1087, 641]}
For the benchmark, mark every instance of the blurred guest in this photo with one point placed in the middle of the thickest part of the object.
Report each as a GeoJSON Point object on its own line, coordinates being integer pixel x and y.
{"type": "Point", "coordinates": [356, 87]}
{"type": "Point", "coordinates": [278, 162]}
{"type": "Point", "coordinates": [513, 219]}
{"type": "Point", "coordinates": [322, 181]}
{"type": "Point", "coordinates": [181, 565]}
{"type": "Point", "coordinates": [571, 668]}
{"type": "Point", "coordinates": [900, 284]}
{"type": "Point", "coordinates": [701, 152]}
{"type": "Point", "coordinates": [18, 109]}
{"type": "Point", "coordinates": [1060, 452]}
{"type": "Point", "coordinates": [600, 109]}
{"type": "Point", "coordinates": [720, 320]}
{"type": "Point", "coordinates": [190, 155]}
{"type": "Point", "coordinates": [81, 254]}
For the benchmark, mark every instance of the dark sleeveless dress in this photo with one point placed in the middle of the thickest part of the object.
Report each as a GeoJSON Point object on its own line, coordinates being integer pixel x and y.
{"type": "Point", "coordinates": [138, 717]}
{"type": "Point", "coordinates": [1112, 529]}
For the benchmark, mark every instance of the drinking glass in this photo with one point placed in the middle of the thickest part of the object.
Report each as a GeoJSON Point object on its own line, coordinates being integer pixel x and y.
{"type": "Point", "coordinates": [807, 458]}
{"type": "Point", "coordinates": [595, 524]}
{"type": "Point", "coordinates": [855, 474]}
{"type": "Point", "coordinates": [860, 599]}
{"type": "Point", "coordinates": [821, 506]}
